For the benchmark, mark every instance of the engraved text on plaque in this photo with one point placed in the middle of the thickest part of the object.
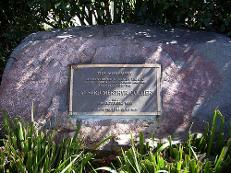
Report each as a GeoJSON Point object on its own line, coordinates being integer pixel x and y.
{"type": "Point", "coordinates": [115, 89]}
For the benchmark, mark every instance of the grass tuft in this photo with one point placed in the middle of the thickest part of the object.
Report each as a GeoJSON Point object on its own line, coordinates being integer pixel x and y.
{"type": "Point", "coordinates": [209, 152]}
{"type": "Point", "coordinates": [27, 148]}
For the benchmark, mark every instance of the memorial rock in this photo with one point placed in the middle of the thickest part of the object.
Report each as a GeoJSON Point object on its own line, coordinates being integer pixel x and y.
{"type": "Point", "coordinates": [195, 78]}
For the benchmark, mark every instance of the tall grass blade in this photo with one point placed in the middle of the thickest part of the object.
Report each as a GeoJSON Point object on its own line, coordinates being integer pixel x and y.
{"type": "Point", "coordinates": [217, 114]}
{"type": "Point", "coordinates": [71, 163]}
{"type": "Point", "coordinates": [99, 144]}
{"type": "Point", "coordinates": [223, 154]}
{"type": "Point", "coordinates": [106, 169]}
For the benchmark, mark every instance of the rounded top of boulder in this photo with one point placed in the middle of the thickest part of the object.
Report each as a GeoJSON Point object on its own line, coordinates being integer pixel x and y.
{"type": "Point", "coordinates": [195, 73]}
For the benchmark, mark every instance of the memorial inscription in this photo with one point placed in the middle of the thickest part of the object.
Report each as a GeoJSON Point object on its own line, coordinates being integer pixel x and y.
{"type": "Point", "coordinates": [115, 89]}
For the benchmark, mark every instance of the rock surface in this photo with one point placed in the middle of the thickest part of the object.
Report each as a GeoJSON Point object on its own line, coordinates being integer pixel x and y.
{"type": "Point", "coordinates": [196, 75]}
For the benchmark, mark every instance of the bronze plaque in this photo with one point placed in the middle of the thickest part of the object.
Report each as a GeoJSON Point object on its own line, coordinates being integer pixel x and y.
{"type": "Point", "coordinates": [115, 89]}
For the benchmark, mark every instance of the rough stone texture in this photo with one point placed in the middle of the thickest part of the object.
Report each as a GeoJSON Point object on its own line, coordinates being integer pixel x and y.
{"type": "Point", "coordinates": [196, 75]}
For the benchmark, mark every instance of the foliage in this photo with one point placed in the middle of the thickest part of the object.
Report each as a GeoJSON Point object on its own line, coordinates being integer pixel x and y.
{"type": "Point", "coordinates": [206, 153]}
{"type": "Point", "coordinates": [19, 18]}
{"type": "Point", "coordinates": [27, 149]}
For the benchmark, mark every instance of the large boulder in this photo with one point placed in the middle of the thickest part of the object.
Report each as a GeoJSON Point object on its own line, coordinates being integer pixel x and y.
{"type": "Point", "coordinates": [196, 76]}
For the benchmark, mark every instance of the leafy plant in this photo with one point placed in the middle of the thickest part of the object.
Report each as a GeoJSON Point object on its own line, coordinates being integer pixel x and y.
{"type": "Point", "coordinates": [27, 149]}
{"type": "Point", "coordinates": [197, 154]}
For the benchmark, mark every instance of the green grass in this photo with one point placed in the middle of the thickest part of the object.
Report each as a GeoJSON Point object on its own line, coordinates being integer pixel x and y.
{"type": "Point", "coordinates": [209, 152]}
{"type": "Point", "coordinates": [25, 148]}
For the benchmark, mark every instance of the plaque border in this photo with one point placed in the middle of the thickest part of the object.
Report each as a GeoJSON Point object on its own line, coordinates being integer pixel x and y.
{"type": "Point", "coordinates": [158, 89]}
